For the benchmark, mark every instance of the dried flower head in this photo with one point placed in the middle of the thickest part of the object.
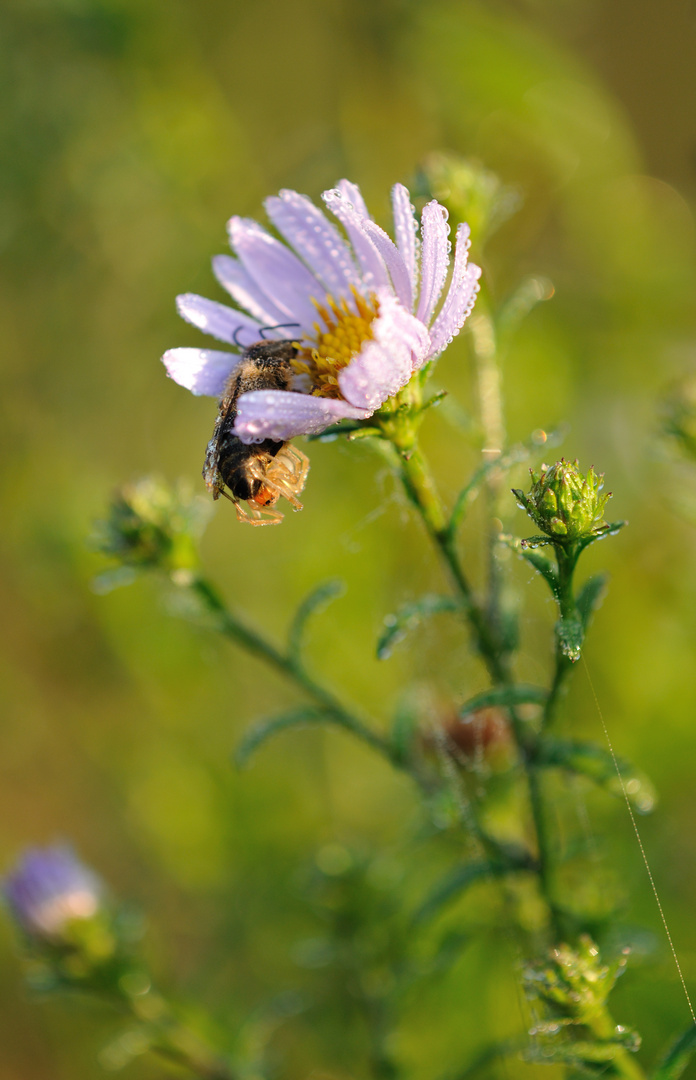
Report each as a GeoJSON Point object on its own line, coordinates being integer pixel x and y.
{"type": "Point", "coordinates": [479, 732]}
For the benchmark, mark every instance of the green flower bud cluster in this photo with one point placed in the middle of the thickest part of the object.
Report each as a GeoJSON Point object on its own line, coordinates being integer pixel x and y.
{"type": "Point", "coordinates": [470, 193]}
{"type": "Point", "coordinates": [573, 987]}
{"type": "Point", "coordinates": [679, 416]}
{"type": "Point", "coordinates": [151, 525]}
{"type": "Point", "coordinates": [574, 982]}
{"type": "Point", "coordinates": [565, 505]}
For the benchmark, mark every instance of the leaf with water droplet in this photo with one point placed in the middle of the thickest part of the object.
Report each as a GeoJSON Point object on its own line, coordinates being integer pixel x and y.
{"type": "Point", "coordinates": [590, 597]}
{"type": "Point", "coordinates": [407, 618]}
{"type": "Point", "coordinates": [586, 759]}
{"type": "Point", "coordinates": [505, 696]}
{"type": "Point", "coordinates": [570, 634]}
{"type": "Point", "coordinates": [316, 601]}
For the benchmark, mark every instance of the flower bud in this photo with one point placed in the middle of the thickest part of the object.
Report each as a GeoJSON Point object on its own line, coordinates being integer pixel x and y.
{"type": "Point", "coordinates": [575, 982]}
{"type": "Point", "coordinates": [480, 732]}
{"type": "Point", "coordinates": [565, 505]}
{"type": "Point", "coordinates": [153, 526]}
{"type": "Point", "coordinates": [479, 737]}
{"type": "Point", "coordinates": [49, 890]}
{"type": "Point", "coordinates": [470, 193]}
{"type": "Point", "coordinates": [679, 416]}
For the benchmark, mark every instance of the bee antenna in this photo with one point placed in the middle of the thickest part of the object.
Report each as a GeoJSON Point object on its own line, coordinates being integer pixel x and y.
{"type": "Point", "coordinates": [280, 326]}
{"type": "Point", "coordinates": [235, 337]}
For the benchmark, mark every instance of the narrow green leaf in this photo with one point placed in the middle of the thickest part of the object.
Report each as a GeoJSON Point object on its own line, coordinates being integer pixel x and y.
{"type": "Point", "coordinates": [508, 460]}
{"type": "Point", "coordinates": [317, 600]}
{"type": "Point", "coordinates": [329, 434]}
{"type": "Point", "coordinates": [365, 433]}
{"type": "Point", "coordinates": [601, 534]}
{"type": "Point", "coordinates": [471, 490]}
{"type": "Point", "coordinates": [487, 1056]}
{"type": "Point", "coordinates": [434, 400]}
{"type": "Point", "coordinates": [677, 1057]}
{"type": "Point", "coordinates": [409, 617]}
{"type": "Point", "coordinates": [457, 882]}
{"type": "Point", "coordinates": [404, 729]}
{"type": "Point", "coordinates": [541, 563]}
{"type": "Point", "coordinates": [264, 730]}
{"type": "Point", "coordinates": [570, 633]}
{"type": "Point", "coordinates": [597, 764]}
{"type": "Point", "coordinates": [449, 949]}
{"type": "Point", "coordinates": [506, 696]}
{"type": "Point", "coordinates": [590, 597]}
{"type": "Point", "coordinates": [530, 292]}
{"type": "Point", "coordinates": [580, 1054]}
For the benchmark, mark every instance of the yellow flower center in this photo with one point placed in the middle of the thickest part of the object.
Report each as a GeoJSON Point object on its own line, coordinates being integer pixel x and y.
{"type": "Point", "coordinates": [339, 337]}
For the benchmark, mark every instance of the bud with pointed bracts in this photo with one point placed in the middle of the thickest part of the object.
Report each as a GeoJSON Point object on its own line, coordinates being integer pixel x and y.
{"type": "Point", "coordinates": [151, 525]}
{"type": "Point", "coordinates": [565, 505]}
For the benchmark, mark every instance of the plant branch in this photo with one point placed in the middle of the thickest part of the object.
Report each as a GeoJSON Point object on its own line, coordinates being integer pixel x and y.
{"type": "Point", "coordinates": [421, 490]}
{"type": "Point", "coordinates": [291, 667]}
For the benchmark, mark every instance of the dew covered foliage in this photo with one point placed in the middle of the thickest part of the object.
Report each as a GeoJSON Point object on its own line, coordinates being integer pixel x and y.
{"type": "Point", "coordinates": [334, 798]}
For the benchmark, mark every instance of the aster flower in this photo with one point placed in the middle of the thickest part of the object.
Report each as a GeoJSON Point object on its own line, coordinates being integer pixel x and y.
{"type": "Point", "coordinates": [48, 889]}
{"type": "Point", "coordinates": [363, 308]}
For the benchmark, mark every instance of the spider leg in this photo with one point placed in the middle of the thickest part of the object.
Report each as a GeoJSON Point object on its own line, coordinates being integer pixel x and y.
{"type": "Point", "coordinates": [254, 515]}
{"type": "Point", "coordinates": [295, 462]}
{"type": "Point", "coordinates": [279, 485]}
{"type": "Point", "coordinates": [287, 473]}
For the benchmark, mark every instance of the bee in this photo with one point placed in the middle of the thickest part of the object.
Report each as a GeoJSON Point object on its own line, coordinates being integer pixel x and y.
{"type": "Point", "coordinates": [257, 474]}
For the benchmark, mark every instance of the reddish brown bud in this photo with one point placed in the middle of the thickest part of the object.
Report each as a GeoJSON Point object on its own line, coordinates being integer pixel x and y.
{"type": "Point", "coordinates": [477, 732]}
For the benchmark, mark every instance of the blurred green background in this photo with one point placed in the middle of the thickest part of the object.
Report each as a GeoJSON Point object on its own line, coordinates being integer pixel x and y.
{"type": "Point", "coordinates": [131, 131]}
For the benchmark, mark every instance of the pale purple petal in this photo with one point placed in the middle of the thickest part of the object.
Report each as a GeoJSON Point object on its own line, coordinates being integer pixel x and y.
{"type": "Point", "coordinates": [386, 363]}
{"type": "Point", "coordinates": [218, 320]}
{"type": "Point", "coordinates": [460, 298]}
{"type": "Point", "coordinates": [202, 371]}
{"type": "Point", "coordinates": [405, 231]}
{"type": "Point", "coordinates": [283, 414]}
{"type": "Point", "coordinates": [353, 194]}
{"type": "Point", "coordinates": [277, 272]}
{"type": "Point", "coordinates": [434, 258]}
{"type": "Point", "coordinates": [315, 239]}
{"type": "Point", "coordinates": [375, 374]}
{"type": "Point", "coordinates": [374, 271]}
{"type": "Point", "coordinates": [49, 888]}
{"type": "Point", "coordinates": [242, 288]}
{"type": "Point", "coordinates": [394, 260]}
{"type": "Point", "coordinates": [407, 328]}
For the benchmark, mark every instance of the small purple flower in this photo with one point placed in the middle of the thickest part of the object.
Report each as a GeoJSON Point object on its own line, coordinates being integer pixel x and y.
{"type": "Point", "coordinates": [49, 888]}
{"type": "Point", "coordinates": [364, 309]}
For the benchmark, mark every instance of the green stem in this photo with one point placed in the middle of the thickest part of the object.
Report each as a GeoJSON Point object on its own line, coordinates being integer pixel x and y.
{"type": "Point", "coordinates": [561, 671]}
{"type": "Point", "coordinates": [483, 336]}
{"type": "Point", "coordinates": [566, 560]}
{"type": "Point", "coordinates": [421, 489]}
{"type": "Point", "coordinates": [290, 667]}
{"type": "Point", "coordinates": [171, 1039]}
{"type": "Point", "coordinates": [625, 1065]}
{"type": "Point", "coordinates": [422, 492]}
